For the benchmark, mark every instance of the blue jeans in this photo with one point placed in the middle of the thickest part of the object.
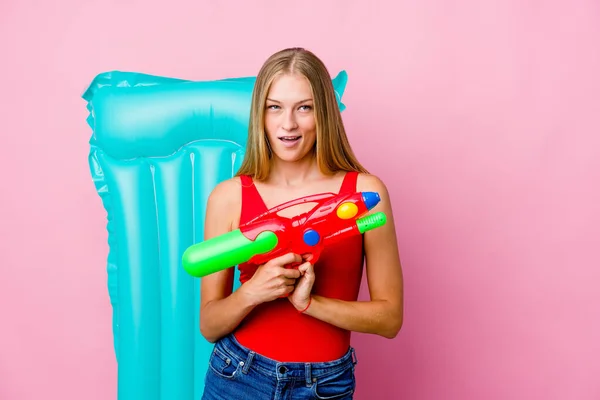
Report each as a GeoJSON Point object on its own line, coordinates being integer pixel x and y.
{"type": "Point", "coordinates": [236, 372]}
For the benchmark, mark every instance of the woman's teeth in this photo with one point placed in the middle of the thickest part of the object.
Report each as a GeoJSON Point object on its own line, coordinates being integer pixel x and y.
{"type": "Point", "coordinates": [289, 138]}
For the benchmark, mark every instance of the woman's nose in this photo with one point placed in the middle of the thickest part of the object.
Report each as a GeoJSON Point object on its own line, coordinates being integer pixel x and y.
{"type": "Point", "coordinates": [289, 121]}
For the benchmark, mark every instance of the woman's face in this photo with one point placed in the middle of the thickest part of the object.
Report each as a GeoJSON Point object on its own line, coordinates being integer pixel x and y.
{"type": "Point", "coordinates": [289, 117]}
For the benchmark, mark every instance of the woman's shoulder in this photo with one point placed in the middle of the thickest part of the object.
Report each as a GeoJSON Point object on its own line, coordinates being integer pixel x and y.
{"type": "Point", "coordinates": [226, 195]}
{"type": "Point", "coordinates": [227, 189]}
{"type": "Point", "coordinates": [370, 183]}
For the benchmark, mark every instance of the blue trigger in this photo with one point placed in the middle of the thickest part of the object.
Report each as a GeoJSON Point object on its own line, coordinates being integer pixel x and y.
{"type": "Point", "coordinates": [311, 237]}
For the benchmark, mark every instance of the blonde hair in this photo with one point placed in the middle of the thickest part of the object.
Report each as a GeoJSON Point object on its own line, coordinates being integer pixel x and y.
{"type": "Point", "coordinates": [332, 147]}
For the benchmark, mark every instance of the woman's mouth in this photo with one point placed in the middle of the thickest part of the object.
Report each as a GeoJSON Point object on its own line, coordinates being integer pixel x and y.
{"type": "Point", "coordinates": [289, 141]}
{"type": "Point", "coordinates": [289, 138]}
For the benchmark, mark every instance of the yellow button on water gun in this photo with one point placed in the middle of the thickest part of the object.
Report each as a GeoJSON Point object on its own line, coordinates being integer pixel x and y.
{"type": "Point", "coordinates": [347, 210]}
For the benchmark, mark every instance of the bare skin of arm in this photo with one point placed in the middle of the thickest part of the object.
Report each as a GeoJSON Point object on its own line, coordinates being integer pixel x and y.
{"type": "Point", "coordinates": [221, 308]}
{"type": "Point", "coordinates": [383, 314]}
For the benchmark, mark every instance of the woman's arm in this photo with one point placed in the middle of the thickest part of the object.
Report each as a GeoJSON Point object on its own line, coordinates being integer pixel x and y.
{"type": "Point", "coordinates": [221, 311]}
{"type": "Point", "coordinates": [383, 314]}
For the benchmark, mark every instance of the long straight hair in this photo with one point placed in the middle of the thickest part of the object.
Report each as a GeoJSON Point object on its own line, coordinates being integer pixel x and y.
{"type": "Point", "coordinates": [333, 150]}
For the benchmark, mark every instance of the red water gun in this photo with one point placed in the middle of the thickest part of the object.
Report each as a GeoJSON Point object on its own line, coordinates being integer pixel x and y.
{"type": "Point", "coordinates": [333, 218]}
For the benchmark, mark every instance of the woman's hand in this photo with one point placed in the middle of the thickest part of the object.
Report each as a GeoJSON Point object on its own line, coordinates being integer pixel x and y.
{"type": "Point", "coordinates": [272, 280]}
{"type": "Point", "coordinates": [300, 297]}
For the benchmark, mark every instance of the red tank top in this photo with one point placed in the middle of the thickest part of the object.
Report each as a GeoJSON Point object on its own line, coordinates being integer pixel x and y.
{"type": "Point", "coordinates": [276, 329]}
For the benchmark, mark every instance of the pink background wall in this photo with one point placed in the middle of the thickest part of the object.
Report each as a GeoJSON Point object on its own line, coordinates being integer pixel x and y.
{"type": "Point", "coordinates": [494, 111]}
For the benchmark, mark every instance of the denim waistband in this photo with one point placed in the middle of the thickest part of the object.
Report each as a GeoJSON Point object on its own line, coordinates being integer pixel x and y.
{"type": "Point", "coordinates": [248, 359]}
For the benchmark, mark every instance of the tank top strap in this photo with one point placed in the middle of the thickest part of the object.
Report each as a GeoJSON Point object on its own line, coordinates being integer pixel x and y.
{"type": "Point", "coordinates": [349, 182]}
{"type": "Point", "coordinates": [252, 202]}
{"type": "Point", "coordinates": [246, 181]}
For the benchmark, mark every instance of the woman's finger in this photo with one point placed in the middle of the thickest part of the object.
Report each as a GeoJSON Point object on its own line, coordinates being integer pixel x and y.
{"type": "Point", "coordinates": [285, 259]}
{"type": "Point", "coordinates": [303, 268]}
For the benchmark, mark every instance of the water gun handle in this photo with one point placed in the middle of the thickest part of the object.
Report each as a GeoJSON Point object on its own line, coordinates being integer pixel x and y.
{"type": "Point", "coordinates": [307, 199]}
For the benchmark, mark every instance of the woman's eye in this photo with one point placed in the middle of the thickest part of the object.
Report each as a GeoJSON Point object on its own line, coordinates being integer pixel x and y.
{"type": "Point", "coordinates": [301, 108]}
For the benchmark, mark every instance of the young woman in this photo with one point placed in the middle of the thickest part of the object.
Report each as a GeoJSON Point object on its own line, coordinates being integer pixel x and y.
{"type": "Point", "coordinates": [285, 332]}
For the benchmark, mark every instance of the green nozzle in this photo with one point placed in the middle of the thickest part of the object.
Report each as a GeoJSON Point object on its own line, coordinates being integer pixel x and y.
{"type": "Point", "coordinates": [371, 222]}
{"type": "Point", "coordinates": [225, 251]}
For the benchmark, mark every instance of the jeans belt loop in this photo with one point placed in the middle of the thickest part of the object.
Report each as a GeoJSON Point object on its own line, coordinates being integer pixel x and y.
{"type": "Point", "coordinates": [308, 374]}
{"type": "Point", "coordinates": [248, 362]}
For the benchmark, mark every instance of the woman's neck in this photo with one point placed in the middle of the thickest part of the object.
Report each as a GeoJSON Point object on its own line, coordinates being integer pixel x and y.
{"type": "Point", "coordinates": [295, 173]}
